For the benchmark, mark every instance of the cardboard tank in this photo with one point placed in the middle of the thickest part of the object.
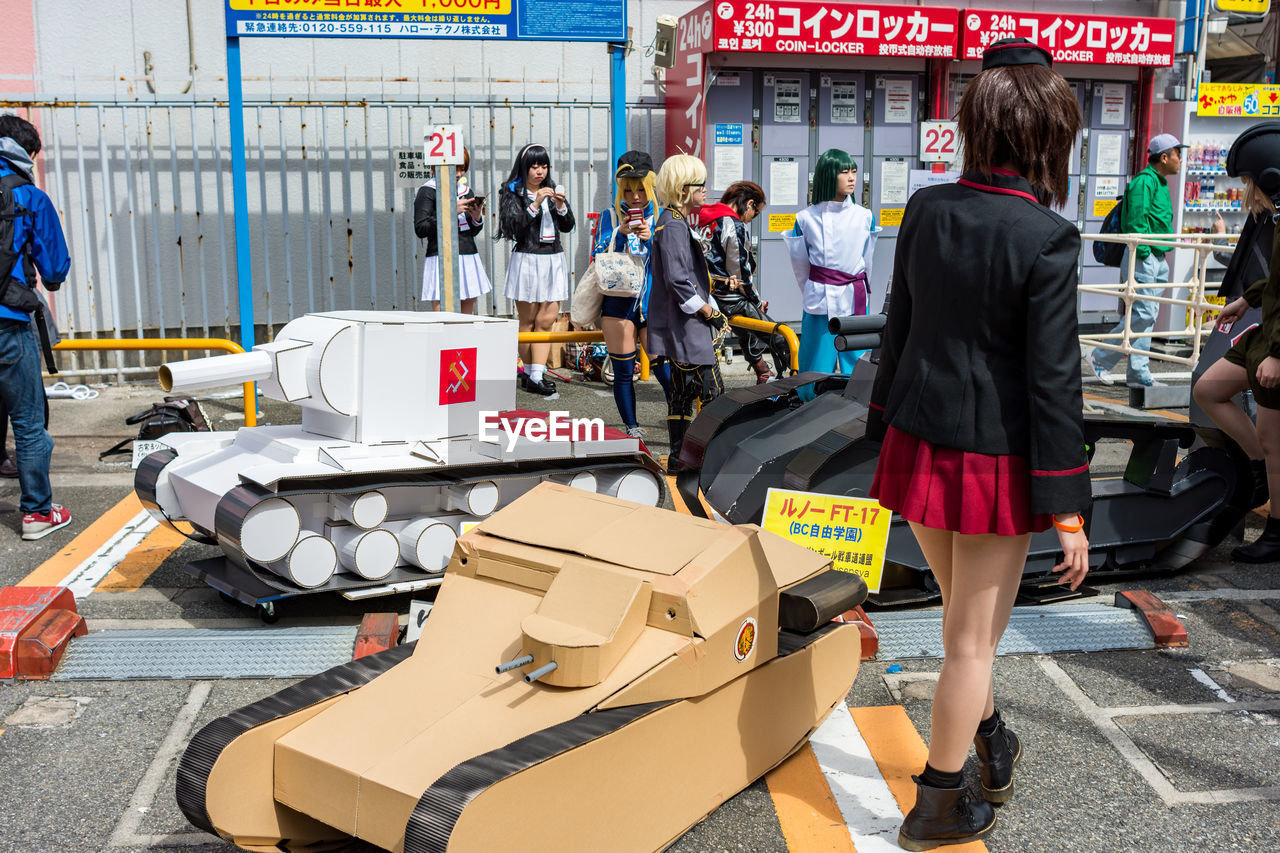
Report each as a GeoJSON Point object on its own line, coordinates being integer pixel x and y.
{"type": "Point", "coordinates": [601, 685]}
{"type": "Point", "coordinates": [1173, 503]}
{"type": "Point", "coordinates": [400, 446]}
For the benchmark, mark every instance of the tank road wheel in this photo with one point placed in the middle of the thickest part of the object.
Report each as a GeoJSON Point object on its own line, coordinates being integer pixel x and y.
{"type": "Point", "coordinates": [268, 612]}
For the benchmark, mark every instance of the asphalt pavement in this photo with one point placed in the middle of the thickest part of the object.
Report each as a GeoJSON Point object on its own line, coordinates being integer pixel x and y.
{"type": "Point", "coordinates": [1152, 750]}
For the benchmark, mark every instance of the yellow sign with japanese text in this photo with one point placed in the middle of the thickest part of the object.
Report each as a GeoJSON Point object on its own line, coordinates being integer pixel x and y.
{"type": "Point", "coordinates": [1238, 100]}
{"type": "Point", "coordinates": [853, 532]}
{"type": "Point", "coordinates": [891, 217]}
{"type": "Point", "coordinates": [781, 222]}
{"type": "Point", "coordinates": [1245, 7]}
{"type": "Point", "coordinates": [1103, 206]}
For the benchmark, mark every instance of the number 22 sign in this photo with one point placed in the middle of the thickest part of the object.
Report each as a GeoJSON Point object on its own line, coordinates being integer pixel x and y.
{"type": "Point", "coordinates": [939, 141]}
{"type": "Point", "coordinates": [443, 145]}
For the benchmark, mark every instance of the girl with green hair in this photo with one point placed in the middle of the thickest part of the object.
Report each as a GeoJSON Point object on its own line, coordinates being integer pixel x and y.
{"type": "Point", "coordinates": [831, 257]}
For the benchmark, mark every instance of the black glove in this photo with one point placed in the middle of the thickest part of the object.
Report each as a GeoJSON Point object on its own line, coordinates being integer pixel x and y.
{"type": "Point", "coordinates": [716, 320]}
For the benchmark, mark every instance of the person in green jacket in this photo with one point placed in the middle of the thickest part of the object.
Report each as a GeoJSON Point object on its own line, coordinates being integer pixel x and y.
{"type": "Point", "coordinates": [1147, 210]}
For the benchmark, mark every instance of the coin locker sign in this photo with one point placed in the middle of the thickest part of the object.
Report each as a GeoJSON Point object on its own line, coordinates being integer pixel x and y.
{"type": "Point", "coordinates": [853, 532]}
{"type": "Point", "coordinates": [533, 20]}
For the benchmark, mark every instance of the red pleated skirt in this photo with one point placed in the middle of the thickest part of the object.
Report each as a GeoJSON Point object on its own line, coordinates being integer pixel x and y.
{"type": "Point", "coordinates": [954, 489]}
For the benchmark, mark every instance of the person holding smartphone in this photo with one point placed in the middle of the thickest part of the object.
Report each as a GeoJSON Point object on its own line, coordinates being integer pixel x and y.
{"type": "Point", "coordinates": [532, 213]}
{"type": "Point", "coordinates": [474, 281]}
{"type": "Point", "coordinates": [628, 226]}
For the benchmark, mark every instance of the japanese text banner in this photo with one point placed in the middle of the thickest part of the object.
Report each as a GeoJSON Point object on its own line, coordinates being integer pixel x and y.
{"type": "Point", "coordinates": [1098, 39]}
{"type": "Point", "coordinates": [779, 26]}
{"type": "Point", "coordinates": [853, 532]}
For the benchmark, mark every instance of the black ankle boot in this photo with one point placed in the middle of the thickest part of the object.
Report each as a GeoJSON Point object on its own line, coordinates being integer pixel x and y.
{"type": "Point", "coordinates": [998, 752]}
{"type": "Point", "coordinates": [1264, 549]}
{"type": "Point", "coordinates": [675, 431]}
{"type": "Point", "coordinates": [1261, 489]}
{"type": "Point", "coordinates": [944, 816]}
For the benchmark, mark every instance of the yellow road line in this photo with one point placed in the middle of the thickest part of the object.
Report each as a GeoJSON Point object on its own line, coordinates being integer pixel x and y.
{"type": "Point", "coordinates": [807, 812]}
{"type": "Point", "coordinates": [89, 540]}
{"type": "Point", "coordinates": [898, 750]}
{"type": "Point", "coordinates": [133, 571]}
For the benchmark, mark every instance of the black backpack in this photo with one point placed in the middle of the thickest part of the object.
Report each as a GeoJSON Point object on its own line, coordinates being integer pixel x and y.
{"type": "Point", "coordinates": [13, 293]}
{"type": "Point", "coordinates": [1110, 254]}
{"type": "Point", "coordinates": [175, 414]}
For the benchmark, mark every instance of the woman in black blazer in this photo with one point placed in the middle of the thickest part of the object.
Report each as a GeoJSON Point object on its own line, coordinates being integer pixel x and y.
{"type": "Point", "coordinates": [977, 399]}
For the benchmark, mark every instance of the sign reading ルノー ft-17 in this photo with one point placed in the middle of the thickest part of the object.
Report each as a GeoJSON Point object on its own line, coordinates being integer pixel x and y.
{"type": "Point", "coordinates": [540, 20]}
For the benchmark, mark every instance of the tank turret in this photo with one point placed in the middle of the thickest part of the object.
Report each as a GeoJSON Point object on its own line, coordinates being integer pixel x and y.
{"type": "Point", "coordinates": [373, 376]}
{"type": "Point", "coordinates": [403, 441]}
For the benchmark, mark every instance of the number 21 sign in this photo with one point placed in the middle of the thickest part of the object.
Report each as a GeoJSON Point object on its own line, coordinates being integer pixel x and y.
{"type": "Point", "coordinates": [443, 145]}
{"type": "Point", "coordinates": [939, 142]}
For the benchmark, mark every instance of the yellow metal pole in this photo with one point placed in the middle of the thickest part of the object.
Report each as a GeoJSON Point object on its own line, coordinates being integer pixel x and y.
{"type": "Point", "coordinates": [135, 344]}
{"type": "Point", "coordinates": [754, 325]}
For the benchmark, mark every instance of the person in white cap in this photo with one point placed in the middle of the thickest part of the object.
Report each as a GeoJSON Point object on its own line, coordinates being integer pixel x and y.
{"type": "Point", "coordinates": [1147, 210]}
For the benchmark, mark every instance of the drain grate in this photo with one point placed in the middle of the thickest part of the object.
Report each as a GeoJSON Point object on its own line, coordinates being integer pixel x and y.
{"type": "Point", "coordinates": [206, 653]}
{"type": "Point", "coordinates": [1043, 629]}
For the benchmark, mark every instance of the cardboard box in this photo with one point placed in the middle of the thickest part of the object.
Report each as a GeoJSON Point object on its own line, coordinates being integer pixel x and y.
{"type": "Point", "coordinates": [635, 605]}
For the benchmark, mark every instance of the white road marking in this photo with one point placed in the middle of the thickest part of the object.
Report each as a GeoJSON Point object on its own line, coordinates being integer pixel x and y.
{"type": "Point", "coordinates": [1201, 676]}
{"type": "Point", "coordinates": [84, 577]}
{"type": "Point", "coordinates": [1104, 720]}
{"type": "Point", "coordinates": [870, 811]}
{"type": "Point", "coordinates": [126, 831]}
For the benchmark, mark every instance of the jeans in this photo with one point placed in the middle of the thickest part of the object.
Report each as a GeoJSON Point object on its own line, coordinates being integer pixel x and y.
{"type": "Point", "coordinates": [22, 391]}
{"type": "Point", "coordinates": [1142, 318]}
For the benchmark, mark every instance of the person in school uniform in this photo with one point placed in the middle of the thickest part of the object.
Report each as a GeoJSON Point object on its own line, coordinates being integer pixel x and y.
{"type": "Point", "coordinates": [627, 226]}
{"type": "Point", "coordinates": [532, 213]}
{"type": "Point", "coordinates": [831, 249]}
{"type": "Point", "coordinates": [978, 402]}
{"type": "Point", "coordinates": [473, 280]}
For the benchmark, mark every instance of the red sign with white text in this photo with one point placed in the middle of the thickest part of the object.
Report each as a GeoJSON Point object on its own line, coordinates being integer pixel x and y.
{"type": "Point", "coordinates": [854, 29]}
{"type": "Point", "coordinates": [1097, 39]}
{"type": "Point", "coordinates": [686, 107]}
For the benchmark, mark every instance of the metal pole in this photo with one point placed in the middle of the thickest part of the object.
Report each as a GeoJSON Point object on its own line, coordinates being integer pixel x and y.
{"type": "Point", "coordinates": [240, 193]}
{"type": "Point", "coordinates": [447, 216]}
{"type": "Point", "coordinates": [617, 102]}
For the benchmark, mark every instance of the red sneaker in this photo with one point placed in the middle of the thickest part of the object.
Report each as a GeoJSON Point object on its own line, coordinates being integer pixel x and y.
{"type": "Point", "coordinates": [37, 525]}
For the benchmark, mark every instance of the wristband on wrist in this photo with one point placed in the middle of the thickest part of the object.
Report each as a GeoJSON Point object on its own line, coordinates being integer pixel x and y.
{"type": "Point", "coordinates": [1070, 526]}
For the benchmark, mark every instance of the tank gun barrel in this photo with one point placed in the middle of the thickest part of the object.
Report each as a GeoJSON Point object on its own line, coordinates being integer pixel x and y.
{"type": "Point", "coordinates": [853, 343]}
{"type": "Point", "coordinates": [197, 374]}
{"type": "Point", "coordinates": [539, 672]}
{"type": "Point", "coordinates": [856, 324]}
{"type": "Point", "coordinates": [523, 660]}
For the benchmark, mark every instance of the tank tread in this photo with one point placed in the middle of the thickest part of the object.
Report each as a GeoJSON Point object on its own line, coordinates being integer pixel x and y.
{"type": "Point", "coordinates": [813, 458]}
{"type": "Point", "coordinates": [202, 752]}
{"type": "Point", "coordinates": [235, 505]}
{"type": "Point", "coordinates": [441, 806]}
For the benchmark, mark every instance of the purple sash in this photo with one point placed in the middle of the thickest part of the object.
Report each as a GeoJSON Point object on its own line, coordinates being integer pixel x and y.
{"type": "Point", "coordinates": [840, 278]}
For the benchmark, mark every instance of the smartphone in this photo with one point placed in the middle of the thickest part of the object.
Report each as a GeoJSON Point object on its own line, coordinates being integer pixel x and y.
{"type": "Point", "coordinates": [635, 215]}
{"type": "Point", "coordinates": [479, 200]}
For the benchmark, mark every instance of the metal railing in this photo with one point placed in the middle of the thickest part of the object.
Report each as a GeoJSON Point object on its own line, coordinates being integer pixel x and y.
{"type": "Point", "coordinates": [143, 190]}
{"type": "Point", "coordinates": [1198, 309]}
{"type": "Point", "coordinates": [147, 344]}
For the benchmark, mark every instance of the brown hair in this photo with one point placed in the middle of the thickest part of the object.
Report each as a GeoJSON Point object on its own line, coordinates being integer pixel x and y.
{"type": "Point", "coordinates": [1024, 115]}
{"type": "Point", "coordinates": [741, 192]}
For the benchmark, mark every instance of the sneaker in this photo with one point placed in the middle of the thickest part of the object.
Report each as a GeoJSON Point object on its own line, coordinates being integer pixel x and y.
{"type": "Point", "coordinates": [37, 525]}
{"type": "Point", "coordinates": [1147, 381]}
{"type": "Point", "coordinates": [635, 432]}
{"type": "Point", "coordinates": [8, 469]}
{"type": "Point", "coordinates": [1099, 371]}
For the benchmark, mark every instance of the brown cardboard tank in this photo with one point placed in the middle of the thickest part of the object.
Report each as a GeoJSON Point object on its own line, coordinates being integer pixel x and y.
{"type": "Point", "coordinates": [595, 675]}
